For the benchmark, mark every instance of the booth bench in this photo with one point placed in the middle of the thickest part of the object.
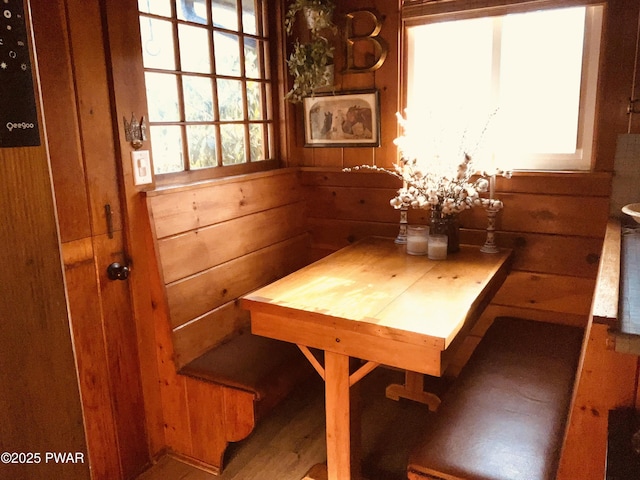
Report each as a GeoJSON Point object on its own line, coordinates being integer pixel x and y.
{"type": "Point", "coordinates": [215, 242]}
{"type": "Point", "coordinates": [504, 417]}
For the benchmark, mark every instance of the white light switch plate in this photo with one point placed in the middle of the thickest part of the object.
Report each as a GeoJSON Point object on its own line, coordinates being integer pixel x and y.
{"type": "Point", "coordinates": [141, 167]}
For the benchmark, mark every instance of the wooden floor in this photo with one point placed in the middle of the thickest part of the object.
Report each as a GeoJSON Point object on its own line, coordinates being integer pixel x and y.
{"type": "Point", "coordinates": [291, 440]}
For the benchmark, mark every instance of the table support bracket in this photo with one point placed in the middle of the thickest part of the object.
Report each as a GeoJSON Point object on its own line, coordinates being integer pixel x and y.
{"type": "Point", "coordinates": [312, 360]}
{"type": "Point", "coordinates": [359, 374]}
{"type": "Point", "coordinates": [354, 378]}
{"type": "Point", "coordinates": [413, 389]}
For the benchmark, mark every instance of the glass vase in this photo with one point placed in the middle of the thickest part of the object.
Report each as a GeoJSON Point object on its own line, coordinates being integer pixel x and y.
{"type": "Point", "coordinates": [447, 225]}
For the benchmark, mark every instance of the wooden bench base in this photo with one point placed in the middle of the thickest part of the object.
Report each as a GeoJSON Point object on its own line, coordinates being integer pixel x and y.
{"type": "Point", "coordinates": [505, 416]}
{"type": "Point", "coordinates": [232, 386]}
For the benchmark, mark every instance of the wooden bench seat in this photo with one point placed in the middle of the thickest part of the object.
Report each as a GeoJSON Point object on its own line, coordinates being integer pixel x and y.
{"type": "Point", "coordinates": [504, 417]}
{"type": "Point", "coordinates": [264, 367]}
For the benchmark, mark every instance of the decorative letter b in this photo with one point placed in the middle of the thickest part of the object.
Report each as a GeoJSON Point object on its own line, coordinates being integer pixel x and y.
{"type": "Point", "coordinates": [379, 45]}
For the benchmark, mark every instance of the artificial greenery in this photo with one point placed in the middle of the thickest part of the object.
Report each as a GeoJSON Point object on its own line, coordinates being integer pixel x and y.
{"type": "Point", "coordinates": [322, 15]}
{"type": "Point", "coordinates": [308, 62]}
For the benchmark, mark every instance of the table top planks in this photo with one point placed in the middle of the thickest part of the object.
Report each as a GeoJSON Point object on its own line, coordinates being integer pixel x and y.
{"type": "Point", "coordinates": [373, 287]}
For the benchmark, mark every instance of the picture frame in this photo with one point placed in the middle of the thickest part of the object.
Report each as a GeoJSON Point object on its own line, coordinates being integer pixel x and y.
{"type": "Point", "coordinates": [342, 119]}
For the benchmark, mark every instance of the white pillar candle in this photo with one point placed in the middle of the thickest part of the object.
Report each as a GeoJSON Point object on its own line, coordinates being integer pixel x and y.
{"type": "Point", "coordinates": [437, 247]}
{"type": "Point", "coordinates": [492, 186]}
{"type": "Point", "coordinates": [417, 240]}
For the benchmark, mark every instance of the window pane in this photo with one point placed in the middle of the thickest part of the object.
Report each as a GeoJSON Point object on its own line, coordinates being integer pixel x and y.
{"type": "Point", "coordinates": [256, 140]}
{"type": "Point", "coordinates": [198, 99]}
{"type": "Point", "coordinates": [192, 11]}
{"type": "Point", "coordinates": [225, 15]}
{"type": "Point", "coordinates": [208, 86]}
{"type": "Point", "coordinates": [251, 66]}
{"type": "Point", "coordinates": [450, 82]}
{"type": "Point", "coordinates": [194, 49]}
{"type": "Point", "coordinates": [155, 7]}
{"type": "Point", "coordinates": [202, 146]}
{"type": "Point", "coordinates": [516, 82]}
{"type": "Point", "coordinates": [162, 97]}
{"type": "Point", "coordinates": [166, 142]}
{"type": "Point", "coordinates": [254, 101]}
{"type": "Point", "coordinates": [540, 81]}
{"type": "Point", "coordinates": [249, 16]}
{"type": "Point", "coordinates": [232, 137]}
{"type": "Point", "coordinates": [157, 44]}
{"type": "Point", "coordinates": [230, 99]}
{"type": "Point", "coordinates": [227, 54]}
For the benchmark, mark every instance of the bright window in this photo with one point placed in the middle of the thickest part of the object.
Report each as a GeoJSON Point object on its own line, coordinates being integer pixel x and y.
{"type": "Point", "coordinates": [208, 83]}
{"type": "Point", "coordinates": [527, 80]}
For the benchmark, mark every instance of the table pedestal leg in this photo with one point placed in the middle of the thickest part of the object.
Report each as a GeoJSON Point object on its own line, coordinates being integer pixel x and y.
{"type": "Point", "coordinates": [338, 416]}
{"type": "Point", "coordinates": [413, 389]}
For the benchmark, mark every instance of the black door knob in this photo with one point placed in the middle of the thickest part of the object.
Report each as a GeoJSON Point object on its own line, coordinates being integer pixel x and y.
{"type": "Point", "coordinates": [116, 271]}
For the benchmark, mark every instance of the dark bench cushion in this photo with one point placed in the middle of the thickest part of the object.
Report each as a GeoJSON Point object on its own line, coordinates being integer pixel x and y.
{"type": "Point", "coordinates": [505, 415]}
{"type": "Point", "coordinates": [251, 363]}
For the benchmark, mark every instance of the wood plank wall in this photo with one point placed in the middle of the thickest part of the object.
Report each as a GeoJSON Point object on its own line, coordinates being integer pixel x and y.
{"type": "Point", "coordinates": [219, 240]}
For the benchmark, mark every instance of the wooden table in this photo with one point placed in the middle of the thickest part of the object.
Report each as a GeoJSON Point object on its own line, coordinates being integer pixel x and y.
{"type": "Point", "coordinates": [374, 302]}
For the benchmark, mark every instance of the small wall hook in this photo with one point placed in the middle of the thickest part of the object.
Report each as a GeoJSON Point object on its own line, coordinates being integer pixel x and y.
{"type": "Point", "coordinates": [135, 131]}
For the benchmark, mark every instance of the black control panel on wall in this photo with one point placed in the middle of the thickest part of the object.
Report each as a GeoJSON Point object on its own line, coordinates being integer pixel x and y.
{"type": "Point", "coordinates": [18, 114]}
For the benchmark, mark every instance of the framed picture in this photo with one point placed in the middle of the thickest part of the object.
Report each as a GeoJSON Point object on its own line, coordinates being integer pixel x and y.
{"type": "Point", "coordinates": [342, 119]}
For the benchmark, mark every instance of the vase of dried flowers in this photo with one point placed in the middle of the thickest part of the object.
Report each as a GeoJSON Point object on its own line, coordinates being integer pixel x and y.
{"type": "Point", "coordinates": [448, 225]}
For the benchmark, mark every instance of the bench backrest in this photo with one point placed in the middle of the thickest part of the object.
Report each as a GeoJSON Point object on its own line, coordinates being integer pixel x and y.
{"type": "Point", "coordinates": [219, 240]}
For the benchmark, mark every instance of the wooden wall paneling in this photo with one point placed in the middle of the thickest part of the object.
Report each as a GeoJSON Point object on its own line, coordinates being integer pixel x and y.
{"type": "Point", "coordinates": [567, 317]}
{"type": "Point", "coordinates": [205, 291]}
{"type": "Point", "coordinates": [127, 87]}
{"type": "Point", "coordinates": [330, 156]}
{"type": "Point", "coordinates": [92, 360]}
{"type": "Point", "coordinates": [59, 105]}
{"type": "Point", "coordinates": [543, 253]}
{"type": "Point", "coordinates": [328, 177]}
{"type": "Point", "coordinates": [185, 209]}
{"type": "Point", "coordinates": [94, 112]}
{"type": "Point", "coordinates": [194, 338]}
{"type": "Point", "coordinates": [615, 78]}
{"type": "Point", "coordinates": [556, 214]}
{"type": "Point", "coordinates": [191, 252]}
{"type": "Point", "coordinates": [594, 184]}
{"type": "Point", "coordinates": [635, 117]}
{"type": "Point", "coordinates": [355, 203]}
{"type": "Point", "coordinates": [335, 234]}
{"type": "Point", "coordinates": [553, 293]}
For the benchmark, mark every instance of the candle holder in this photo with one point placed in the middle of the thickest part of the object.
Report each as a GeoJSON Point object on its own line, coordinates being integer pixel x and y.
{"type": "Point", "coordinates": [492, 208]}
{"type": "Point", "coordinates": [401, 239]}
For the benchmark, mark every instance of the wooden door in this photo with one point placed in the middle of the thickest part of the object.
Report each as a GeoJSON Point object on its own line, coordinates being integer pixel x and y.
{"type": "Point", "coordinates": [80, 134]}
